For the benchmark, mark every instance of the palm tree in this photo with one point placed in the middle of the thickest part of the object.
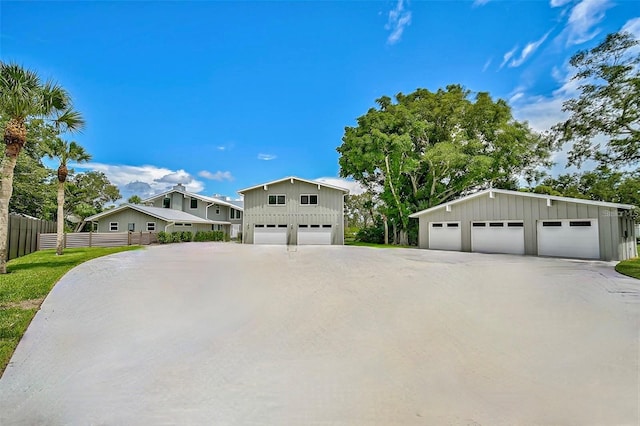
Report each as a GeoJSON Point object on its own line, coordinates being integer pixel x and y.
{"type": "Point", "coordinates": [23, 97]}
{"type": "Point", "coordinates": [134, 199]}
{"type": "Point", "coordinates": [64, 151]}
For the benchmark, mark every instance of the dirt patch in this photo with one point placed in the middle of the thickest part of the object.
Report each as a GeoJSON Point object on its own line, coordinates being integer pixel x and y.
{"type": "Point", "coordinates": [23, 304]}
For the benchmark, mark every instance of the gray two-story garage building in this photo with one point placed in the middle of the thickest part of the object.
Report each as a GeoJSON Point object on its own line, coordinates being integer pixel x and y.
{"type": "Point", "coordinates": [501, 221]}
{"type": "Point", "coordinates": [293, 211]}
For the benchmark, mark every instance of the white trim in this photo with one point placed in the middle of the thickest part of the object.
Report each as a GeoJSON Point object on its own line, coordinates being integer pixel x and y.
{"type": "Point", "coordinates": [309, 203]}
{"type": "Point", "coordinates": [524, 194]}
{"type": "Point", "coordinates": [154, 226]}
{"type": "Point", "coordinates": [292, 178]}
{"type": "Point", "coordinates": [111, 226]}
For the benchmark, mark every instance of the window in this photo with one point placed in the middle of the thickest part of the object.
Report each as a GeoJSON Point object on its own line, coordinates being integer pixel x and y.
{"type": "Point", "coordinates": [436, 225]}
{"type": "Point", "coordinates": [258, 226]}
{"type": "Point", "coordinates": [551, 223]}
{"type": "Point", "coordinates": [113, 226]}
{"type": "Point", "coordinates": [131, 227]}
{"type": "Point", "coordinates": [194, 203]}
{"type": "Point", "coordinates": [277, 200]}
{"type": "Point", "coordinates": [315, 226]}
{"type": "Point", "coordinates": [183, 224]}
{"type": "Point", "coordinates": [271, 226]}
{"type": "Point", "coordinates": [302, 226]}
{"type": "Point", "coordinates": [309, 199]}
{"type": "Point", "coordinates": [151, 226]}
{"type": "Point", "coordinates": [479, 224]}
{"type": "Point", "coordinates": [580, 223]}
{"type": "Point", "coordinates": [236, 214]}
{"type": "Point", "coordinates": [326, 226]}
{"type": "Point", "coordinates": [166, 202]}
{"type": "Point", "coordinates": [217, 209]}
{"type": "Point", "coordinates": [452, 225]}
{"type": "Point", "coordinates": [496, 224]}
{"type": "Point", "coordinates": [515, 225]}
{"type": "Point", "coordinates": [282, 226]}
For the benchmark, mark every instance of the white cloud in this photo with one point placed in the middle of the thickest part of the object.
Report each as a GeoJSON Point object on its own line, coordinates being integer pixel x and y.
{"type": "Point", "coordinates": [267, 157]}
{"type": "Point", "coordinates": [478, 3]}
{"type": "Point", "coordinates": [221, 148]}
{"type": "Point", "coordinates": [218, 176]}
{"type": "Point", "coordinates": [399, 19]}
{"type": "Point", "coordinates": [354, 187]}
{"type": "Point", "coordinates": [558, 3]}
{"type": "Point", "coordinates": [582, 22]}
{"type": "Point", "coordinates": [508, 56]}
{"type": "Point", "coordinates": [528, 50]}
{"type": "Point", "coordinates": [143, 180]}
{"type": "Point", "coordinates": [632, 26]}
{"type": "Point", "coordinates": [487, 64]}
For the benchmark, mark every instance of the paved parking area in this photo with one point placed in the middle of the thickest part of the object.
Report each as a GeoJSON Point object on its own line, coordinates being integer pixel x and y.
{"type": "Point", "coordinates": [225, 334]}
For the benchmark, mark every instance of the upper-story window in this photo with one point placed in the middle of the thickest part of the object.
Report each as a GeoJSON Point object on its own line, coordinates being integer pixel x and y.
{"type": "Point", "coordinates": [234, 214]}
{"type": "Point", "coordinates": [166, 202]}
{"type": "Point", "coordinates": [277, 200]}
{"type": "Point", "coordinates": [194, 203]}
{"type": "Point", "coordinates": [309, 199]}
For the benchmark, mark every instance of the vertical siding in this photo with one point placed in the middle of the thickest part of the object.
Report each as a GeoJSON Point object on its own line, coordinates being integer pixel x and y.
{"type": "Point", "coordinates": [328, 211]}
{"type": "Point", "coordinates": [530, 210]}
{"type": "Point", "coordinates": [127, 216]}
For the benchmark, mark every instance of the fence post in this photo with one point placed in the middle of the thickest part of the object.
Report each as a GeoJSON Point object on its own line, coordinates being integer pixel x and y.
{"type": "Point", "coordinates": [90, 235]}
{"type": "Point", "coordinates": [65, 240]}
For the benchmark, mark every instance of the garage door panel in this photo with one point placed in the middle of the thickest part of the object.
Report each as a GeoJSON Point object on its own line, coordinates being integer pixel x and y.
{"type": "Point", "coordinates": [445, 236]}
{"type": "Point", "coordinates": [314, 236]}
{"type": "Point", "coordinates": [569, 238]}
{"type": "Point", "coordinates": [497, 237]}
{"type": "Point", "coordinates": [277, 236]}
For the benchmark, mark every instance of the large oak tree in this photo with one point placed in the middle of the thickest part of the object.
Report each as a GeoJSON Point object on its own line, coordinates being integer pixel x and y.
{"type": "Point", "coordinates": [429, 147]}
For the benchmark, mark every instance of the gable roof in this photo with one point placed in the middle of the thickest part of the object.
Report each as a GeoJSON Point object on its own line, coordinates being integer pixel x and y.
{"type": "Point", "coordinates": [211, 200]}
{"type": "Point", "coordinates": [523, 194]}
{"type": "Point", "coordinates": [168, 215]}
{"type": "Point", "coordinates": [292, 178]}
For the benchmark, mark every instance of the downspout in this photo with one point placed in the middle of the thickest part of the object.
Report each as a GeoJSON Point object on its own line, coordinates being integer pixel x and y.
{"type": "Point", "coordinates": [168, 225]}
{"type": "Point", "coordinates": [206, 211]}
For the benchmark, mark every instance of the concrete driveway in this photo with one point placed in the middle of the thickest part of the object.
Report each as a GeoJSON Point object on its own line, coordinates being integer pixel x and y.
{"type": "Point", "coordinates": [225, 334]}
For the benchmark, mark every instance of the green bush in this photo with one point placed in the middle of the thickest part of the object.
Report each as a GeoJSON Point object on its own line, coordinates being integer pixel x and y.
{"type": "Point", "coordinates": [371, 234]}
{"type": "Point", "coordinates": [210, 236]}
{"type": "Point", "coordinates": [186, 236]}
{"type": "Point", "coordinates": [175, 237]}
{"type": "Point", "coordinates": [164, 237]}
{"type": "Point", "coordinates": [239, 237]}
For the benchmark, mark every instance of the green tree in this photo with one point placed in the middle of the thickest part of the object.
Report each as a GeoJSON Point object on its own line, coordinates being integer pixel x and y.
{"type": "Point", "coordinates": [23, 97]}
{"type": "Point", "coordinates": [608, 105]}
{"type": "Point", "coordinates": [88, 193]}
{"type": "Point", "coordinates": [64, 151]}
{"type": "Point", "coordinates": [429, 147]}
{"type": "Point", "coordinates": [134, 199]}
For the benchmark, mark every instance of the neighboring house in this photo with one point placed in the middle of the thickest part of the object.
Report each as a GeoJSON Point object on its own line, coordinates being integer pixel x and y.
{"type": "Point", "coordinates": [173, 210]}
{"type": "Point", "coordinates": [501, 221]}
{"type": "Point", "coordinates": [294, 211]}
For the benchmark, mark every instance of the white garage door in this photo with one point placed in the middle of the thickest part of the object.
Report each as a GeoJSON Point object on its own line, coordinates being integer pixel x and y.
{"type": "Point", "coordinates": [501, 236]}
{"type": "Point", "coordinates": [445, 236]}
{"type": "Point", "coordinates": [314, 235]}
{"type": "Point", "coordinates": [270, 234]}
{"type": "Point", "coordinates": [569, 238]}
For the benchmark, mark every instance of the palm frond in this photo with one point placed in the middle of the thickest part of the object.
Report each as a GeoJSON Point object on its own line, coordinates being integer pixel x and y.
{"type": "Point", "coordinates": [70, 121]}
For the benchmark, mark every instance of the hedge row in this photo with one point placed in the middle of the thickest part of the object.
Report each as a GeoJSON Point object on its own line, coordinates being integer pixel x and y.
{"type": "Point", "coordinates": [186, 236]}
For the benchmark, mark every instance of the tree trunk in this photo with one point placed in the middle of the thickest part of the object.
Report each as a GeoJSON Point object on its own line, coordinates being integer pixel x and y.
{"type": "Point", "coordinates": [394, 232]}
{"type": "Point", "coordinates": [6, 189]}
{"type": "Point", "coordinates": [386, 230]}
{"type": "Point", "coordinates": [60, 220]}
{"type": "Point", "coordinates": [404, 238]}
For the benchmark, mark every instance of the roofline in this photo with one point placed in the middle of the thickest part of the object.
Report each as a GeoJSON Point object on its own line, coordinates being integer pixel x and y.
{"type": "Point", "coordinates": [524, 194]}
{"type": "Point", "coordinates": [136, 208]}
{"type": "Point", "coordinates": [194, 195]}
{"type": "Point", "coordinates": [312, 182]}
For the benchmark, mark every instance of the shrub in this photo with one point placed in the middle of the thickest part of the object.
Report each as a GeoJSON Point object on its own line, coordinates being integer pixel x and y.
{"type": "Point", "coordinates": [164, 237]}
{"type": "Point", "coordinates": [239, 237]}
{"type": "Point", "coordinates": [186, 236]}
{"type": "Point", "coordinates": [371, 234]}
{"type": "Point", "coordinates": [175, 237]}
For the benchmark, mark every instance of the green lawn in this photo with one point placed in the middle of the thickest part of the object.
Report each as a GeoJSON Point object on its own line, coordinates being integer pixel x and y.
{"type": "Point", "coordinates": [361, 244]}
{"type": "Point", "coordinates": [630, 267]}
{"type": "Point", "coordinates": [28, 281]}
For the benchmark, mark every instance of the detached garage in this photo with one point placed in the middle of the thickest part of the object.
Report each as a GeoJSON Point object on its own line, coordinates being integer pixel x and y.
{"type": "Point", "coordinates": [501, 221]}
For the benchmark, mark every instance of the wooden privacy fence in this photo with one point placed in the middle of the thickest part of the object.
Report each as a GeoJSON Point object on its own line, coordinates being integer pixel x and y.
{"type": "Point", "coordinates": [98, 239]}
{"type": "Point", "coordinates": [22, 234]}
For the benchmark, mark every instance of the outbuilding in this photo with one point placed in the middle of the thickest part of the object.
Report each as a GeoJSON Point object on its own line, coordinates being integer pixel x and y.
{"type": "Point", "coordinates": [294, 211]}
{"type": "Point", "coordinates": [502, 221]}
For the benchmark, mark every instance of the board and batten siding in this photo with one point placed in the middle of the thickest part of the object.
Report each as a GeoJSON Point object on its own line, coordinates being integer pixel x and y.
{"type": "Point", "coordinates": [328, 211]}
{"type": "Point", "coordinates": [530, 210]}
{"type": "Point", "coordinates": [126, 216]}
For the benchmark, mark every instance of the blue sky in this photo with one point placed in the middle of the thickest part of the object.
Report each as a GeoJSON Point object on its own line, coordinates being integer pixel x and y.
{"type": "Point", "coordinates": [225, 95]}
